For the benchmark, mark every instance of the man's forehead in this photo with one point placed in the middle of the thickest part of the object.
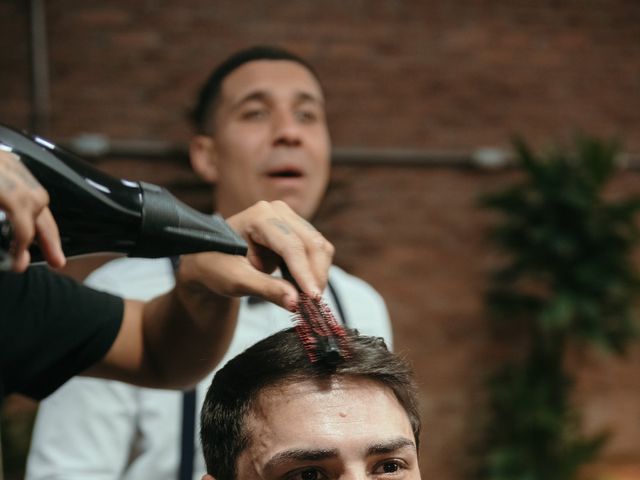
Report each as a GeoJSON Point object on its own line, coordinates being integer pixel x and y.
{"type": "Point", "coordinates": [324, 394]}
{"type": "Point", "coordinates": [271, 77]}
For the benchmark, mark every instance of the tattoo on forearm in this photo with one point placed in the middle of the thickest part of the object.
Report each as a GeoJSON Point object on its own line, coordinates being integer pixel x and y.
{"type": "Point", "coordinates": [283, 227]}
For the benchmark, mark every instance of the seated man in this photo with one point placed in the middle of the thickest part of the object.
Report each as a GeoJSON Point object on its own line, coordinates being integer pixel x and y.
{"type": "Point", "coordinates": [272, 414]}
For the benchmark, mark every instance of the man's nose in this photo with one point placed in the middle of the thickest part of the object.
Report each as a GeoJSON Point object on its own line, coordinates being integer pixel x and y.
{"type": "Point", "coordinates": [286, 130]}
{"type": "Point", "coordinates": [353, 474]}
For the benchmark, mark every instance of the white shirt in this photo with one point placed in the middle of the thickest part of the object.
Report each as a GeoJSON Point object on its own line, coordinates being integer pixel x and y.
{"type": "Point", "coordinates": [93, 429]}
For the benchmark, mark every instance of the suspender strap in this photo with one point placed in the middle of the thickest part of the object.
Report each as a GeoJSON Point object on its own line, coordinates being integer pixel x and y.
{"type": "Point", "coordinates": [188, 433]}
{"type": "Point", "coordinates": [187, 448]}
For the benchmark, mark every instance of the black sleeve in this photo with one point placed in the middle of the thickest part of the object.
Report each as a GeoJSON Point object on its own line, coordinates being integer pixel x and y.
{"type": "Point", "coordinates": [51, 328]}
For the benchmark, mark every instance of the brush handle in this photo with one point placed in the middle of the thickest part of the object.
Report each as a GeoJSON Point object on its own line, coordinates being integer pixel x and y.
{"type": "Point", "coordinates": [286, 275]}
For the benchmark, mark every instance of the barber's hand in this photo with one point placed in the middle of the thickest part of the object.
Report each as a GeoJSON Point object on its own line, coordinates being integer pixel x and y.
{"type": "Point", "coordinates": [274, 233]}
{"type": "Point", "coordinates": [25, 202]}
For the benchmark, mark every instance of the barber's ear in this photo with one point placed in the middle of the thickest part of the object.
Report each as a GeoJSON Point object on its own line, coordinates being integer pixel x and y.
{"type": "Point", "coordinates": [203, 158]}
{"type": "Point", "coordinates": [206, 476]}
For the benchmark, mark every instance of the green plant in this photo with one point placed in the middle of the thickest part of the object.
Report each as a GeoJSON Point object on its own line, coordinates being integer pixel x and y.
{"type": "Point", "coordinates": [568, 282]}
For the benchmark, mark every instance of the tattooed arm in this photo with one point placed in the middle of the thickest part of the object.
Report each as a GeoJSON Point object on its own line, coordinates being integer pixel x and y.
{"type": "Point", "coordinates": [25, 202]}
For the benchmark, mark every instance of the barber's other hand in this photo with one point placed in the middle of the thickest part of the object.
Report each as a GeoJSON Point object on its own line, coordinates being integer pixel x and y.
{"type": "Point", "coordinates": [25, 202]}
{"type": "Point", "coordinates": [274, 233]}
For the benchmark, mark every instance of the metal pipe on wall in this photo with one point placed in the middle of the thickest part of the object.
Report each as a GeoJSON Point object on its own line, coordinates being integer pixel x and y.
{"type": "Point", "coordinates": [98, 146]}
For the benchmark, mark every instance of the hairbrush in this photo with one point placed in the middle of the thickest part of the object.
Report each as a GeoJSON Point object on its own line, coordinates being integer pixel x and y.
{"type": "Point", "coordinates": [323, 338]}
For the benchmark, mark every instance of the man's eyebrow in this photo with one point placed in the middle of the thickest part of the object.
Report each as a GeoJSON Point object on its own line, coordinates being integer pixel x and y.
{"type": "Point", "coordinates": [257, 95]}
{"type": "Point", "coordinates": [263, 95]}
{"type": "Point", "coordinates": [309, 97]}
{"type": "Point", "coordinates": [300, 455]}
{"type": "Point", "coordinates": [390, 446]}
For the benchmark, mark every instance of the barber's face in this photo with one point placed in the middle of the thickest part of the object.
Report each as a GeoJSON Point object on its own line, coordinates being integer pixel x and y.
{"type": "Point", "coordinates": [269, 138]}
{"type": "Point", "coordinates": [353, 429]}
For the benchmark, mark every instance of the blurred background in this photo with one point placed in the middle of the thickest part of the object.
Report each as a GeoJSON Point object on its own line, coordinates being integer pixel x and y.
{"type": "Point", "coordinates": [423, 100]}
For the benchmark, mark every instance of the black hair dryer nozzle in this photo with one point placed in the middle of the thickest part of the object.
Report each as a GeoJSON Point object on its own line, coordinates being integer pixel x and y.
{"type": "Point", "coordinates": [99, 213]}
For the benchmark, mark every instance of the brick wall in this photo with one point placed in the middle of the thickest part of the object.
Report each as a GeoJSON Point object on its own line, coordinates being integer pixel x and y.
{"type": "Point", "coordinates": [399, 74]}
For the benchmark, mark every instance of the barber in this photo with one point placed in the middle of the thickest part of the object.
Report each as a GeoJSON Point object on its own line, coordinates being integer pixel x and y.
{"type": "Point", "coordinates": [52, 328]}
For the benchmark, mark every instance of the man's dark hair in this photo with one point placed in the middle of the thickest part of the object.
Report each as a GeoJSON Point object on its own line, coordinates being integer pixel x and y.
{"type": "Point", "coordinates": [278, 360]}
{"type": "Point", "coordinates": [210, 91]}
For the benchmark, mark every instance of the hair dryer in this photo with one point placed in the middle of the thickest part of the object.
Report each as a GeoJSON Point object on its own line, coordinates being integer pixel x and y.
{"type": "Point", "coordinates": [98, 213]}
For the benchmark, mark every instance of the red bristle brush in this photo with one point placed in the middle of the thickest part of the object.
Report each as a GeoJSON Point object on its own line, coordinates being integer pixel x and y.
{"type": "Point", "coordinates": [323, 338]}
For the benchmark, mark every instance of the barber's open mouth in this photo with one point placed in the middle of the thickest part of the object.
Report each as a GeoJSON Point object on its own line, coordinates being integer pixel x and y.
{"type": "Point", "coordinates": [285, 173]}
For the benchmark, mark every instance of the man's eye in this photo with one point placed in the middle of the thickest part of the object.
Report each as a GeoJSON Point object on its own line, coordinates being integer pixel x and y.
{"type": "Point", "coordinates": [307, 474]}
{"type": "Point", "coordinates": [254, 114]}
{"type": "Point", "coordinates": [306, 116]}
{"type": "Point", "coordinates": [388, 467]}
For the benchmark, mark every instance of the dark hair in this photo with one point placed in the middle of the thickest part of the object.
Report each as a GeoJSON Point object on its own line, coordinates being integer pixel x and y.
{"type": "Point", "coordinates": [281, 359]}
{"type": "Point", "coordinates": [210, 91]}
